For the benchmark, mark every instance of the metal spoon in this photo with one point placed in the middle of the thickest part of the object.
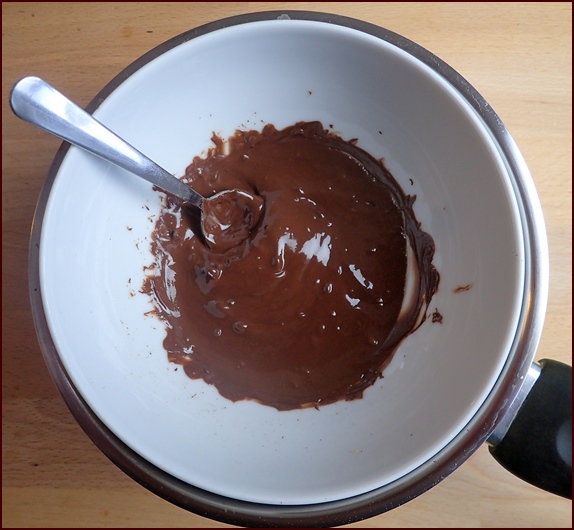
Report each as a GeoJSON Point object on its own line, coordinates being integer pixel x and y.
{"type": "Point", "coordinates": [37, 102]}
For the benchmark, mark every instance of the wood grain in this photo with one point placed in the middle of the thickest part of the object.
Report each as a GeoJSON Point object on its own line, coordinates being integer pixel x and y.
{"type": "Point", "coordinates": [517, 55]}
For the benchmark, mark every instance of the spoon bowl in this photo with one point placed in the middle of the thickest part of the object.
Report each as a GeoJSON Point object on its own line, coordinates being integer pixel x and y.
{"type": "Point", "coordinates": [228, 217]}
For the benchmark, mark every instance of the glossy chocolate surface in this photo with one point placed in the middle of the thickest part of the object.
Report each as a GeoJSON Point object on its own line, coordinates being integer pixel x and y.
{"type": "Point", "coordinates": [308, 304]}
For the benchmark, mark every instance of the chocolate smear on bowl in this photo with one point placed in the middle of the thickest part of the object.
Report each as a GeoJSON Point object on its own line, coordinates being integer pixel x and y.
{"type": "Point", "coordinates": [307, 307]}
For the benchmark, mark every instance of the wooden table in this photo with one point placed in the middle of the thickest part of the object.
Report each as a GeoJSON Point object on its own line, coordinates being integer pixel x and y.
{"type": "Point", "coordinates": [518, 56]}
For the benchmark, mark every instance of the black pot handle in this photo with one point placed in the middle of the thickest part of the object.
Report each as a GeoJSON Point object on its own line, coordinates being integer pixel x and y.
{"type": "Point", "coordinates": [538, 444]}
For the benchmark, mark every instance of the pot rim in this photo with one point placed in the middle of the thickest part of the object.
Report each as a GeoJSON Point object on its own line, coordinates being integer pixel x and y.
{"type": "Point", "coordinates": [503, 395]}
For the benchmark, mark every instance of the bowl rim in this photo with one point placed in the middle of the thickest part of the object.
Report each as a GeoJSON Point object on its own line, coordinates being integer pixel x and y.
{"type": "Point", "coordinates": [344, 511]}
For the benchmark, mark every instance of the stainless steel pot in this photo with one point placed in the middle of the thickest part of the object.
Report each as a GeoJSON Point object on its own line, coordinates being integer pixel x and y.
{"type": "Point", "coordinates": [470, 381]}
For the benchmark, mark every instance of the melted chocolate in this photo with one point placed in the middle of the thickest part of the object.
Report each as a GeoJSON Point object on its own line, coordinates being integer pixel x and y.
{"type": "Point", "coordinates": [307, 304]}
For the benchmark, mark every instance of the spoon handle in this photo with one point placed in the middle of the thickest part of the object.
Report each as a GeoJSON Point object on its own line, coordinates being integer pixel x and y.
{"type": "Point", "coordinates": [38, 103]}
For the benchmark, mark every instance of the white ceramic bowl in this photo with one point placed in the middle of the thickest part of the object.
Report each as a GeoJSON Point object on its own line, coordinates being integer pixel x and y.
{"type": "Point", "coordinates": [448, 383]}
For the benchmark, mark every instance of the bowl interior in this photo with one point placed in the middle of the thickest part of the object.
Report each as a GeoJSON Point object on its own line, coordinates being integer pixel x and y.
{"type": "Point", "coordinates": [95, 245]}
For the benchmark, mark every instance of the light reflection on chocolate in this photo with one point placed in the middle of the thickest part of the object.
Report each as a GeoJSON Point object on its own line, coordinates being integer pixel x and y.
{"type": "Point", "coordinates": [309, 306]}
